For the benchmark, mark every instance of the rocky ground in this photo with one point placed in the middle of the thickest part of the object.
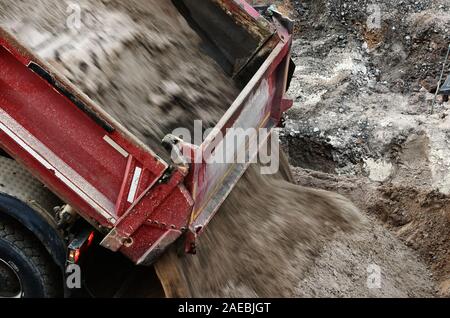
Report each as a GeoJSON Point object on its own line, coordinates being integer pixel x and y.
{"type": "Point", "coordinates": [363, 122]}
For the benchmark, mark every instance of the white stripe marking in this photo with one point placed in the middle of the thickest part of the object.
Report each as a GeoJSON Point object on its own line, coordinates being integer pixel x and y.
{"type": "Point", "coordinates": [116, 146]}
{"type": "Point", "coordinates": [134, 184]}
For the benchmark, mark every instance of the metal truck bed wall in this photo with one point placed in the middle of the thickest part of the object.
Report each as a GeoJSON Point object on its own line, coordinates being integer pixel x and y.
{"type": "Point", "coordinates": [140, 202]}
{"type": "Point", "coordinates": [233, 34]}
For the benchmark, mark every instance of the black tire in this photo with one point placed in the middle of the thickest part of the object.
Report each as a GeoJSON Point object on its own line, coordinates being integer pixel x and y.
{"type": "Point", "coordinates": [25, 264]}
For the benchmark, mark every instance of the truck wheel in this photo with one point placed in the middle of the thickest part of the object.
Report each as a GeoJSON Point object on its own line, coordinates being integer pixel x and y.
{"type": "Point", "coordinates": [26, 270]}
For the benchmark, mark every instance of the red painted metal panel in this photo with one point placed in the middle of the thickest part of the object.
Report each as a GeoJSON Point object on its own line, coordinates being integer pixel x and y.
{"type": "Point", "coordinates": [248, 8]}
{"type": "Point", "coordinates": [54, 121]}
{"type": "Point", "coordinates": [52, 132]}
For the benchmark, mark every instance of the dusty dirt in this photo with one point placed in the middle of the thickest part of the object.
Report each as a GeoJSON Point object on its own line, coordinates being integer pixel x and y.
{"type": "Point", "coordinates": [265, 237]}
{"type": "Point", "coordinates": [361, 123]}
{"type": "Point", "coordinates": [271, 238]}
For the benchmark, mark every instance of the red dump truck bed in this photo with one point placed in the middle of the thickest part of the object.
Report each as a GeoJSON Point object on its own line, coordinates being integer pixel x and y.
{"type": "Point", "coordinates": [140, 202]}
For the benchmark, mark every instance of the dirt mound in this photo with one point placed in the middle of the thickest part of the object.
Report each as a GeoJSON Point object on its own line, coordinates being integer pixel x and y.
{"type": "Point", "coordinates": [417, 219]}
{"type": "Point", "coordinates": [349, 267]}
{"type": "Point", "coordinates": [265, 238]}
{"type": "Point", "coordinates": [361, 115]}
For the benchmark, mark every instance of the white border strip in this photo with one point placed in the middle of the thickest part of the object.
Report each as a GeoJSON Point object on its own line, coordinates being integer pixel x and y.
{"type": "Point", "coordinates": [116, 146]}
{"type": "Point", "coordinates": [134, 185]}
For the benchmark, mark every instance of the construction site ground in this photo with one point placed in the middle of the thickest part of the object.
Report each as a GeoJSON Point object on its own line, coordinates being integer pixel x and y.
{"type": "Point", "coordinates": [363, 125]}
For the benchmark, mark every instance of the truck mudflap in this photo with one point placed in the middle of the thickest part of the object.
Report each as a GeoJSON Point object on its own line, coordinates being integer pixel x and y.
{"type": "Point", "coordinates": [110, 178]}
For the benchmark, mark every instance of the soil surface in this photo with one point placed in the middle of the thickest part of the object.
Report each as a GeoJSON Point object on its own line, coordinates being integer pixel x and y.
{"type": "Point", "coordinates": [271, 238]}
{"type": "Point", "coordinates": [364, 122]}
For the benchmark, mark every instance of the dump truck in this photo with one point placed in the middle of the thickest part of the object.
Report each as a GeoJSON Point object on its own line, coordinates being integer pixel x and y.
{"type": "Point", "coordinates": [72, 178]}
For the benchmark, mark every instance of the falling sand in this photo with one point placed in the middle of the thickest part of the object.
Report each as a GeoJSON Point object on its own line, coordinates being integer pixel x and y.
{"type": "Point", "coordinates": [141, 62]}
